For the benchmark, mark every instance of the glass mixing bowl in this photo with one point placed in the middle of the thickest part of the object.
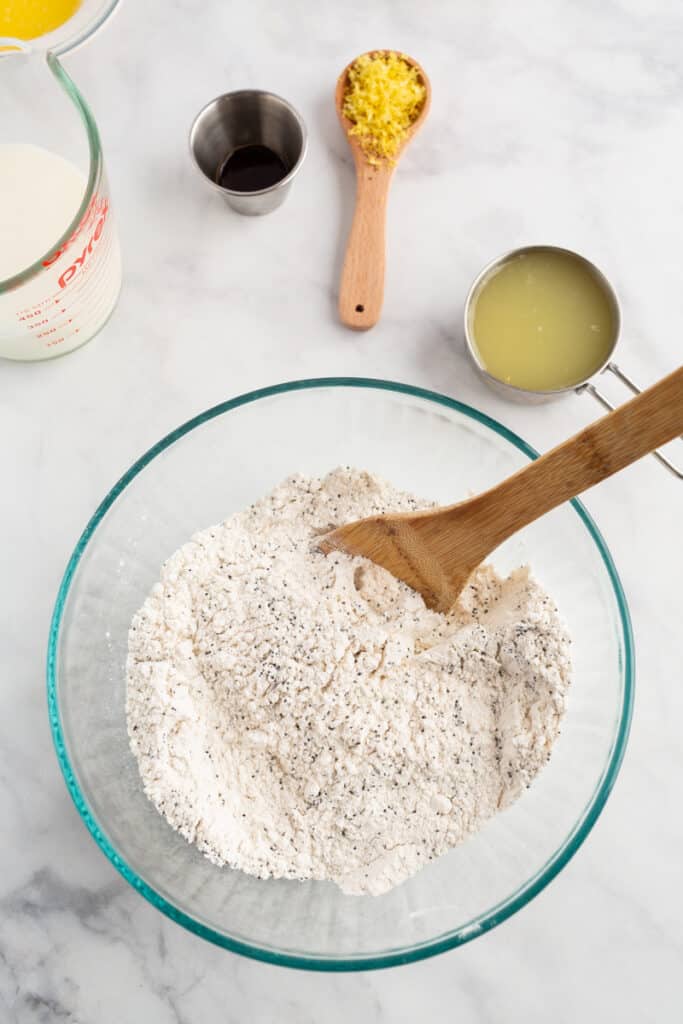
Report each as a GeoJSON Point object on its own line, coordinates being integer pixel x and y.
{"type": "Point", "coordinates": [220, 462]}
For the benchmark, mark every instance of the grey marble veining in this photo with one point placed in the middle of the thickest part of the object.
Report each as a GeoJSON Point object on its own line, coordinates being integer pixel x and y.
{"type": "Point", "coordinates": [550, 121]}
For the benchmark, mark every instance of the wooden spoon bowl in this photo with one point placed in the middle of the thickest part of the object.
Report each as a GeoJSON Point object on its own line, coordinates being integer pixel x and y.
{"type": "Point", "coordinates": [437, 550]}
{"type": "Point", "coordinates": [361, 291]}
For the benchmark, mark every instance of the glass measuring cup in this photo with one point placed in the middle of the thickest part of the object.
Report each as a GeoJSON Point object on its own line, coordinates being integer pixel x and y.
{"type": "Point", "coordinates": [533, 396]}
{"type": "Point", "coordinates": [67, 290]}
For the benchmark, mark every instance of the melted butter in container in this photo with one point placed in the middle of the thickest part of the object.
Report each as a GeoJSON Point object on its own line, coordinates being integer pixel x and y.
{"type": "Point", "coordinates": [30, 19]}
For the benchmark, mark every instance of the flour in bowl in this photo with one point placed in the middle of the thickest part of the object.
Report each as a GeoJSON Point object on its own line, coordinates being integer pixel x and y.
{"type": "Point", "coordinates": [306, 716]}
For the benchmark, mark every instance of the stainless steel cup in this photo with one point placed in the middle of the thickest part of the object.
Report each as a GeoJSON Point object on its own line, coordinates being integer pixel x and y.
{"type": "Point", "coordinates": [586, 386]}
{"type": "Point", "coordinates": [248, 117]}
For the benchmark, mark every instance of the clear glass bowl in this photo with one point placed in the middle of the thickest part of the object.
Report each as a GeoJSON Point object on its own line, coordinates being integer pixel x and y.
{"type": "Point", "coordinates": [218, 463]}
{"type": "Point", "coordinates": [76, 30]}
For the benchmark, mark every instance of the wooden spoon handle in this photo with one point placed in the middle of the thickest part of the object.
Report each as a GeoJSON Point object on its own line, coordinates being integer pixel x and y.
{"type": "Point", "coordinates": [606, 446]}
{"type": "Point", "coordinates": [361, 291]}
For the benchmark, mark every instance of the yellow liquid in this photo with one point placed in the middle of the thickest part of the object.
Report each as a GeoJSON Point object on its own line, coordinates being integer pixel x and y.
{"type": "Point", "coordinates": [28, 19]}
{"type": "Point", "coordinates": [542, 321]}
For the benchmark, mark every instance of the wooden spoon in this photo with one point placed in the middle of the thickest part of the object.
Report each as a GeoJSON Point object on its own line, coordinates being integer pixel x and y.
{"type": "Point", "coordinates": [362, 281]}
{"type": "Point", "coordinates": [436, 551]}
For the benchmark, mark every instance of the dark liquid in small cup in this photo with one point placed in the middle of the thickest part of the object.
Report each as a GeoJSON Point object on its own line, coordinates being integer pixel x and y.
{"type": "Point", "coordinates": [251, 168]}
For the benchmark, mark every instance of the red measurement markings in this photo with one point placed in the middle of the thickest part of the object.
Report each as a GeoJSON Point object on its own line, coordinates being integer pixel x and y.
{"type": "Point", "coordinates": [79, 262]}
{"type": "Point", "coordinates": [90, 214]}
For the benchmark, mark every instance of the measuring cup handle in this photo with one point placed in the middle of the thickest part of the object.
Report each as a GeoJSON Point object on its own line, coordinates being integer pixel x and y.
{"type": "Point", "coordinates": [606, 404]}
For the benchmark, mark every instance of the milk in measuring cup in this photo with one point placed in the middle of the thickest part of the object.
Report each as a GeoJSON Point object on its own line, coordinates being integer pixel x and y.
{"type": "Point", "coordinates": [72, 293]}
{"type": "Point", "coordinates": [41, 193]}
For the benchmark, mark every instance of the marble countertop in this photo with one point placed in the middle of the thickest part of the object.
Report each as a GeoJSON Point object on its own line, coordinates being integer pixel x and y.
{"type": "Point", "coordinates": [550, 122]}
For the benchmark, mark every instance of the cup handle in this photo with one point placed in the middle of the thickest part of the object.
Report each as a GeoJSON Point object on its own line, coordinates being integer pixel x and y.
{"type": "Point", "coordinates": [606, 404]}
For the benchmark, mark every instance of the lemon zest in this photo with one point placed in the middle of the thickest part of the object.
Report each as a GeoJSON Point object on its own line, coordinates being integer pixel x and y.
{"type": "Point", "coordinates": [384, 96]}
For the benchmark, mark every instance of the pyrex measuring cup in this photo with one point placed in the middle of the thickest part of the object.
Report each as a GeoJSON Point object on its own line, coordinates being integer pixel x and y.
{"type": "Point", "coordinates": [535, 396]}
{"type": "Point", "coordinates": [65, 293]}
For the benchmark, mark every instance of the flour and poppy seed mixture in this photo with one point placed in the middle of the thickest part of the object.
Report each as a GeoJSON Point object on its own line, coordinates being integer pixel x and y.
{"type": "Point", "coordinates": [300, 715]}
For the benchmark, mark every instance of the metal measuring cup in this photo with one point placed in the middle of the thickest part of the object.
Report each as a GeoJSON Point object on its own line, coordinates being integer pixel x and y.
{"type": "Point", "coordinates": [587, 386]}
{"type": "Point", "coordinates": [248, 117]}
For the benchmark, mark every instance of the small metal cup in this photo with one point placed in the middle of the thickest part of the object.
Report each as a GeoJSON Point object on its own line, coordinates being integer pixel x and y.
{"type": "Point", "coordinates": [248, 117]}
{"type": "Point", "coordinates": [587, 386]}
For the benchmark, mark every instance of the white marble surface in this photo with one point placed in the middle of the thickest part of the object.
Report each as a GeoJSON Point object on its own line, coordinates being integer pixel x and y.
{"type": "Point", "coordinates": [551, 121]}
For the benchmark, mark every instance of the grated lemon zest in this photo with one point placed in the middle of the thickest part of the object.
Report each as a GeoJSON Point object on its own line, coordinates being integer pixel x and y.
{"type": "Point", "coordinates": [383, 98]}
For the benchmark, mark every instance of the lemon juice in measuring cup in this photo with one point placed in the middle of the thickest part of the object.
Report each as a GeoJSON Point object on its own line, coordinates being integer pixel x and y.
{"type": "Point", "coordinates": [60, 266]}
